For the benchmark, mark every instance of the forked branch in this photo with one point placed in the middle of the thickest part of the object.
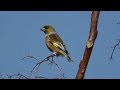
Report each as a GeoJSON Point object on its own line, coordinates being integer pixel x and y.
{"type": "Point", "coordinates": [40, 62]}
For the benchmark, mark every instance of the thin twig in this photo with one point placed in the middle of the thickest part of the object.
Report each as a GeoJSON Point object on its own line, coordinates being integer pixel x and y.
{"type": "Point", "coordinates": [40, 62]}
{"type": "Point", "coordinates": [41, 78]}
{"type": "Point", "coordinates": [61, 76]}
{"type": "Point", "coordinates": [114, 47]}
{"type": "Point", "coordinates": [20, 76]}
{"type": "Point", "coordinates": [30, 57]}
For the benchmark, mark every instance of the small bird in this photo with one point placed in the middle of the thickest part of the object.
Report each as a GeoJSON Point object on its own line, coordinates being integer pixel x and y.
{"type": "Point", "coordinates": [54, 43]}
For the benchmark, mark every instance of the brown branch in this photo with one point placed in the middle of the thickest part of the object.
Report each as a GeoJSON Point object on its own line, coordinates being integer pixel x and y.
{"type": "Point", "coordinates": [40, 62]}
{"type": "Point", "coordinates": [89, 46]}
{"type": "Point", "coordinates": [114, 47]}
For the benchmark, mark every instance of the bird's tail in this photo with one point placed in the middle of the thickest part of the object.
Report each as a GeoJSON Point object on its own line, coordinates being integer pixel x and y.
{"type": "Point", "coordinates": [67, 56]}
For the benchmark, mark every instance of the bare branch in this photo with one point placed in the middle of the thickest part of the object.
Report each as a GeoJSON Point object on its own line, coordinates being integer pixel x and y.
{"type": "Point", "coordinates": [30, 57]}
{"type": "Point", "coordinates": [89, 45]}
{"type": "Point", "coordinates": [19, 76]}
{"type": "Point", "coordinates": [40, 62]}
{"type": "Point", "coordinates": [114, 47]}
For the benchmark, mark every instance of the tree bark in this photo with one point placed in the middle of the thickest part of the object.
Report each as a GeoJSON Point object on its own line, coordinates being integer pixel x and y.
{"type": "Point", "coordinates": [89, 46]}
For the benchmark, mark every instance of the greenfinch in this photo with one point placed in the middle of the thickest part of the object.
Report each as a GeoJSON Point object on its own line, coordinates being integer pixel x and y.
{"type": "Point", "coordinates": [54, 43]}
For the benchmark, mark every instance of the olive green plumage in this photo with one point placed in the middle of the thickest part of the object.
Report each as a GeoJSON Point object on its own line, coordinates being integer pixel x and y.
{"type": "Point", "coordinates": [54, 43]}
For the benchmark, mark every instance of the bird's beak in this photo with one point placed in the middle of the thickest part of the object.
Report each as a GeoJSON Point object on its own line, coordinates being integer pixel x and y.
{"type": "Point", "coordinates": [43, 29]}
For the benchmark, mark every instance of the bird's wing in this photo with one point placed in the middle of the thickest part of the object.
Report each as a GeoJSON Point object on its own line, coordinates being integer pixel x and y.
{"type": "Point", "coordinates": [57, 42]}
{"type": "Point", "coordinates": [55, 38]}
{"type": "Point", "coordinates": [59, 45]}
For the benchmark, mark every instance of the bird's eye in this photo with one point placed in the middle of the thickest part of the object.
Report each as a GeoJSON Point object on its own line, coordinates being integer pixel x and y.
{"type": "Point", "coordinates": [46, 27]}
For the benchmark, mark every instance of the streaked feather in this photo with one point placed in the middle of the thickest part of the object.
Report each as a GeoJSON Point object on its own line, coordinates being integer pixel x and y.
{"type": "Point", "coordinates": [55, 38]}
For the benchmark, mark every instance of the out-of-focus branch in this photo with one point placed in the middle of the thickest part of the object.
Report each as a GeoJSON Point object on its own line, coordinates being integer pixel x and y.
{"type": "Point", "coordinates": [89, 46]}
{"type": "Point", "coordinates": [114, 47]}
{"type": "Point", "coordinates": [18, 76]}
{"type": "Point", "coordinates": [1, 76]}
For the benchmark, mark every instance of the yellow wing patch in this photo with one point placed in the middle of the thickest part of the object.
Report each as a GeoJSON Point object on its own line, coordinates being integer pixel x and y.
{"type": "Point", "coordinates": [59, 45]}
{"type": "Point", "coordinates": [55, 44]}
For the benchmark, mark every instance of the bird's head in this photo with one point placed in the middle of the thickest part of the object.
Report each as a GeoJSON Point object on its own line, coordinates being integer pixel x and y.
{"type": "Point", "coordinates": [48, 29]}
